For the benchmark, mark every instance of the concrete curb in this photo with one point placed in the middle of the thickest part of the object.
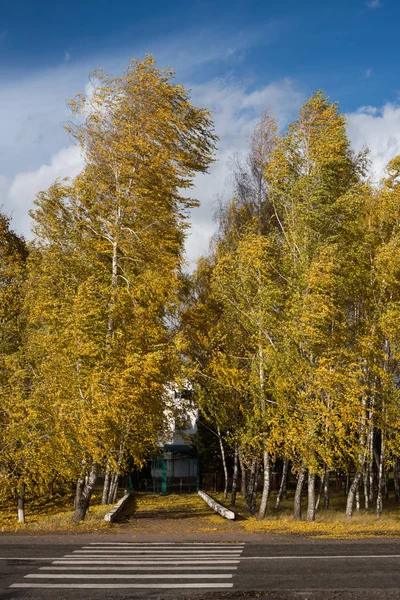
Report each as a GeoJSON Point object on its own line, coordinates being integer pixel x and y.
{"type": "Point", "coordinates": [114, 512]}
{"type": "Point", "coordinates": [224, 512]}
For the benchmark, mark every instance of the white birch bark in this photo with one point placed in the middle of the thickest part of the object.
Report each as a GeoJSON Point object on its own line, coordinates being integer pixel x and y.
{"type": "Point", "coordinates": [223, 457]}
{"type": "Point", "coordinates": [311, 497]}
{"type": "Point", "coordinates": [21, 503]}
{"type": "Point", "coordinates": [235, 474]}
{"type": "Point", "coordinates": [297, 495]}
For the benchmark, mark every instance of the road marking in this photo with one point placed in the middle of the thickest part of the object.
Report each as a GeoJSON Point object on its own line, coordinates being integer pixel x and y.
{"type": "Point", "coordinates": [34, 558]}
{"type": "Point", "coordinates": [130, 576]}
{"type": "Point", "coordinates": [160, 558]}
{"type": "Point", "coordinates": [186, 544]}
{"type": "Point", "coordinates": [160, 552]}
{"type": "Point", "coordinates": [165, 547]}
{"type": "Point", "coordinates": [339, 556]}
{"type": "Point", "coordinates": [174, 567]}
{"type": "Point", "coordinates": [144, 562]}
{"type": "Point", "coordinates": [144, 558]}
{"type": "Point", "coordinates": [136, 557]}
{"type": "Point", "coordinates": [165, 568]}
{"type": "Point", "coordinates": [102, 586]}
{"type": "Point", "coordinates": [327, 556]}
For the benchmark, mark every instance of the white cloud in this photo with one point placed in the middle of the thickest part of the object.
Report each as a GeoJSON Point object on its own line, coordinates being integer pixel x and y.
{"type": "Point", "coordinates": [33, 107]}
{"type": "Point", "coordinates": [35, 150]}
{"type": "Point", "coordinates": [30, 157]}
{"type": "Point", "coordinates": [235, 110]}
{"type": "Point", "coordinates": [379, 129]}
{"type": "Point", "coordinates": [24, 187]}
{"type": "Point", "coordinates": [373, 4]}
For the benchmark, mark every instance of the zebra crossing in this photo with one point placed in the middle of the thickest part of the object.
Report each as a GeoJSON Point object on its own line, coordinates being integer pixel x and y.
{"type": "Point", "coordinates": [130, 565]}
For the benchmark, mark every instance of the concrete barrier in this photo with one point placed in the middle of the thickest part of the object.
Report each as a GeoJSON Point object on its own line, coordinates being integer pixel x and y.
{"type": "Point", "coordinates": [118, 508]}
{"type": "Point", "coordinates": [224, 512]}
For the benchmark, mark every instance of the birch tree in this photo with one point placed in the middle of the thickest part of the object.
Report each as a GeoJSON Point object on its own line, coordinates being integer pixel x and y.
{"type": "Point", "coordinates": [123, 220]}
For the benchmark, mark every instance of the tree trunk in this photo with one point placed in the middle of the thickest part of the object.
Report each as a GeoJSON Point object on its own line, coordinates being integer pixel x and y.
{"type": "Point", "coordinates": [223, 457]}
{"type": "Point", "coordinates": [321, 487]}
{"type": "Point", "coordinates": [82, 504]}
{"type": "Point", "coordinates": [114, 490]}
{"type": "Point", "coordinates": [282, 487]}
{"type": "Point", "coordinates": [21, 503]}
{"type": "Point", "coordinates": [379, 501]}
{"type": "Point", "coordinates": [371, 459]}
{"type": "Point", "coordinates": [113, 480]}
{"type": "Point", "coordinates": [326, 487]}
{"type": "Point", "coordinates": [78, 492]}
{"type": "Point", "coordinates": [386, 482]}
{"type": "Point", "coordinates": [266, 486]}
{"type": "Point", "coordinates": [255, 487]}
{"type": "Point", "coordinates": [366, 493]}
{"type": "Point", "coordinates": [396, 478]}
{"type": "Point", "coordinates": [106, 487]}
{"type": "Point", "coordinates": [351, 494]}
{"type": "Point", "coordinates": [243, 486]}
{"type": "Point", "coordinates": [297, 495]}
{"type": "Point", "coordinates": [235, 474]}
{"type": "Point", "coordinates": [250, 486]}
{"type": "Point", "coordinates": [311, 497]}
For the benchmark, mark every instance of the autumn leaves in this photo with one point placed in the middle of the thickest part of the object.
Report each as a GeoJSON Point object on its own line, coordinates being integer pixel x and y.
{"type": "Point", "coordinates": [88, 382]}
{"type": "Point", "coordinates": [292, 325]}
{"type": "Point", "coordinates": [288, 329]}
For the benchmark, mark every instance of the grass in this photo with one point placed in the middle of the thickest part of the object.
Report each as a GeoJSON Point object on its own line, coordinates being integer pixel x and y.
{"type": "Point", "coordinates": [52, 515]}
{"type": "Point", "coordinates": [330, 523]}
{"type": "Point", "coordinates": [175, 513]}
{"type": "Point", "coordinates": [188, 514]}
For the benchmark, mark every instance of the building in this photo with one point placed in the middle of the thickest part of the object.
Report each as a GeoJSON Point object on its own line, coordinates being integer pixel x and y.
{"type": "Point", "coordinates": [176, 470]}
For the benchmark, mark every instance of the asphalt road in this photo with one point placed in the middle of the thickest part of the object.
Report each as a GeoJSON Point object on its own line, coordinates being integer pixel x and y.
{"type": "Point", "coordinates": [90, 567]}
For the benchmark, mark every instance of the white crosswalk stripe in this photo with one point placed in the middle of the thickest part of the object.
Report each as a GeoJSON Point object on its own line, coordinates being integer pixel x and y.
{"type": "Point", "coordinates": [132, 565]}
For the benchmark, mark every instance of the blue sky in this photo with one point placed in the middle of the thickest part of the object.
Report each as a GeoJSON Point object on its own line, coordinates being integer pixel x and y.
{"type": "Point", "coordinates": [237, 57]}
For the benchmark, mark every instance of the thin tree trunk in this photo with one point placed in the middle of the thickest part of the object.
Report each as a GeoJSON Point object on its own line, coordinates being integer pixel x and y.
{"type": "Point", "coordinates": [106, 487]}
{"type": "Point", "coordinates": [371, 459]}
{"type": "Point", "coordinates": [243, 486]}
{"type": "Point", "coordinates": [113, 483]}
{"type": "Point", "coordinates": [311, 497]}
{"type": "Point", "coordinates": [358, 498]}
{"type": "Point", "coordinates": [326, 487]}
{"type": "Point", "coordinates": [351, 494]}
{"type": "Point", "coordinates": [266, 486]}
{"type": "Point", "coordinates": [250, 486]}
{"type": "Point", "coordinates": [21, 503]}
{"type": "Point", "coordinates": [321, 487]}
{"type": "Point", "coordinates": [115, 489]}
{"type": "Point", "coordinates": [396, 478]}
{"type": "Point", "coordinates": [255, 487]}
{"type": "Point", "coordinates": [82, 504]}
{"type": "Point", "coordinates": [282, 487]}
{"type": "Point", "coordinates": [235, 474]}
{"type": "Point", "coordinates": [221, 445]}
{"type": "Point", "coordinates": [78, 492]}
{"type": "Point", "coordinates": [379, 500]}
{"type": "Point", "coordinates": [114, 283]}
{"type": "Point", "coordinates": [386, 482]}
{"type": "Point", "coordinates": [297, 495]}
{"type": "Point", "coordinates": [366, 493]}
